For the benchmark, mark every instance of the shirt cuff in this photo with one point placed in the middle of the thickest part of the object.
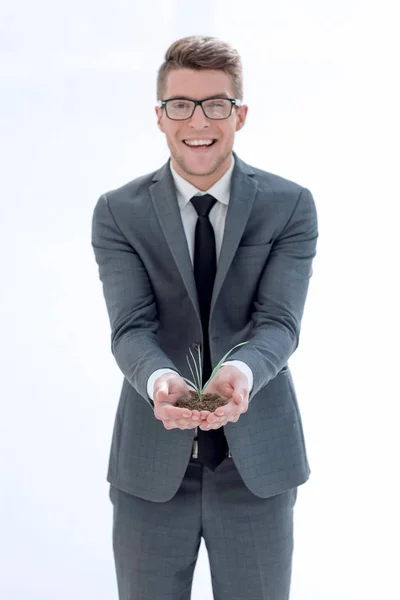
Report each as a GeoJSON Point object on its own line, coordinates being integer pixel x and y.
{"type": "Point", "coordinates": [153, 377]}
{"type": "Point", "coordinates": [242, 366]}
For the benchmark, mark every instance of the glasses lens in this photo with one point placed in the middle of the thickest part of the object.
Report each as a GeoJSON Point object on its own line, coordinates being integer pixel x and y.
{"type": "Point", "coordinates": [217, 108]}
{"type": "Point", "coordinates": [179, 109]}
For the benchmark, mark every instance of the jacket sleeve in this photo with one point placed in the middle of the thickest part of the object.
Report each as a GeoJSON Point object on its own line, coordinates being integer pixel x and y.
{"type": "Point", "coordinates": [281, 295]}
{"type": "Point", "coordinates": [130, 302]}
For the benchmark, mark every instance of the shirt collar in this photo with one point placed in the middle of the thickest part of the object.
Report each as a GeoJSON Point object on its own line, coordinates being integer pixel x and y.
{"type": "Point", "coordinates": [185, 190]}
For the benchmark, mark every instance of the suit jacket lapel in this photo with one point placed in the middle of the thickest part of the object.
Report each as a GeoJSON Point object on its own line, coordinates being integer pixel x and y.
{"type": "Point", "coordinates": [166, 206]}
{"type": "Point", "coordinates": [243, 191]}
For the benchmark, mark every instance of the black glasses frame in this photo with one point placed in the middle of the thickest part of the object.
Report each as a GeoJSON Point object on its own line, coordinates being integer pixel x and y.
{"type": "Point", "coordinates": [196, 103]}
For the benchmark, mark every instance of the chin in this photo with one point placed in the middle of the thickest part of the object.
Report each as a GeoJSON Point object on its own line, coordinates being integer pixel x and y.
{"type": "Point", "coordinates": [197, 168]}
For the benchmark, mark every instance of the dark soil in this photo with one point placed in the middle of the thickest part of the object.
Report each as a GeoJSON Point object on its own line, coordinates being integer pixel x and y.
{"type": "Point", "coordinates": [208, 402]}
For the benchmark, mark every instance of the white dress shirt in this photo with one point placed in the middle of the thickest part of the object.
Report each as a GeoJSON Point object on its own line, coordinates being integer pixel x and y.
{"type": "Point", "coordinates": [185, 191]}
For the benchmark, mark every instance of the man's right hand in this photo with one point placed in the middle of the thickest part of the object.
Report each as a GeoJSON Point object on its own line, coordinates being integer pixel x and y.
{"type": "Point", "coordinates": [168, 389]}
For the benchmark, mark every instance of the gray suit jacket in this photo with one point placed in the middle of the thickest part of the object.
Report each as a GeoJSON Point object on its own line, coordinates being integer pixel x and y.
{"type": "Point", "coordinates": [259, 294]}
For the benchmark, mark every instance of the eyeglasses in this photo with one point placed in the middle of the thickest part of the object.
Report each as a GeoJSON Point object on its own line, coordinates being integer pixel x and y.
{"type": "Point", "coordinates": [180, 109]}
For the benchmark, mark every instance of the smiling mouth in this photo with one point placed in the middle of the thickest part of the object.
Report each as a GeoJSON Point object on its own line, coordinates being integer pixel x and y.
{"type": "Point", "coordinates": [200, 146]}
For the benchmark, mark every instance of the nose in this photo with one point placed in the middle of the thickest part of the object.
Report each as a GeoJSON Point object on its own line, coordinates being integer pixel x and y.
{"type": "Point", "coordinates": [198, 119]}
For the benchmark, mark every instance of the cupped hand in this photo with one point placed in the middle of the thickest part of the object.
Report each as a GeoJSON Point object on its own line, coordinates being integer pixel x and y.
{"type": "Point", "coordinates": [231, 384]}
{"type": "Point", "coordinates": [168, 389]}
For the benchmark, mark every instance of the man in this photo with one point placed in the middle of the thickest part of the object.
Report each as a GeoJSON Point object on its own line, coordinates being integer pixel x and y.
{"type": "Point", "coordinates": [205, 252]}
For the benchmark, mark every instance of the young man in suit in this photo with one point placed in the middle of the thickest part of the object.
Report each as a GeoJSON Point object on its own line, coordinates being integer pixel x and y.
{"type": "Point", "coordinates": [206, 251]}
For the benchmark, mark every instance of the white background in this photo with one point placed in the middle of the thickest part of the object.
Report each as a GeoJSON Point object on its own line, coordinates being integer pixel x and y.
{"type": "Point", "coordinates": [77, 119]}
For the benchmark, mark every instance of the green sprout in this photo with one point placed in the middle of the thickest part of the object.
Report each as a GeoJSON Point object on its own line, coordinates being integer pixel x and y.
{"type": "Point", "coordinates": [196, 370]}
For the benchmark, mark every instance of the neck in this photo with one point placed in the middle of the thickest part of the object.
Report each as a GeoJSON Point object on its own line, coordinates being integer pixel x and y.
{"type": "Point", "coordinates": [206, 181]}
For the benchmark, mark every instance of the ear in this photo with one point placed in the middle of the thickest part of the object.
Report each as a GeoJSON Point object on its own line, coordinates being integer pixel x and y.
{"type": "Point", "coordinates": [159, 113]}
{"type": "Point", "coordinates": [241, 117]}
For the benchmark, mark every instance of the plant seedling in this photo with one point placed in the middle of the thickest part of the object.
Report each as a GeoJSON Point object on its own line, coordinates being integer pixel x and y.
{"type": "Point", "coordinates": [196, 399]}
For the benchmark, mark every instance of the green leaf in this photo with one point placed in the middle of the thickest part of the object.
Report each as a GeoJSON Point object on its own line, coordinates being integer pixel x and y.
{"type": "Point", "coordinates": [190, 383]}
{"type": "Point", "coordinates": [223, 359]}
{"type": "Point", "coordinates": [198, 386]}
{"type": "Point", "coordinates": [200, 370]}
{"type": "Point", "coordinates": [197, 372]}
{"type": "Point", "coordinates": [191, 370]}
{"type": "Point", "coordinates": [198, 392]}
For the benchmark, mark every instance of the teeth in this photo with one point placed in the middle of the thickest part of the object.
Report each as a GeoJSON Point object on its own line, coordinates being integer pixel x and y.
{"type": "Point", "coordinates": [198, 142]}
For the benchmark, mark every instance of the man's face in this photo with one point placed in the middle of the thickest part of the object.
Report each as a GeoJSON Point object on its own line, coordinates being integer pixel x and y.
{"type": "Point", "coordinates": [201, 166]}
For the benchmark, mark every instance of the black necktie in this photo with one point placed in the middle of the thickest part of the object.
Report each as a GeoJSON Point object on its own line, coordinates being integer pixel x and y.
{"type": "Point", "coordinates": [212, 444]}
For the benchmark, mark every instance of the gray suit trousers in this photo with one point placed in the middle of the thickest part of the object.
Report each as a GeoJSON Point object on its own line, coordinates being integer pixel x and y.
{"type": "Point", "coordinates": [249, 539]}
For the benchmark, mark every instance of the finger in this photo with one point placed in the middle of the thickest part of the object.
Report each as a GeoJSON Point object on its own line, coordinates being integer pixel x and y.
{"type": "Point", "coordinates": [219, 424]}
{"type": "Point", "coordinates": [179, 424]}
{"type": "Point", "coordinates": [186, 424]}
{"type": "Point", "coordinates": [176, 424]}
{"type": "Point", "coordinates": [213, 418]}
{"type": "Point", "coordinates": [231, 416]}
{"type": "Point", "coordinates": [205, 425]}
{"type": "Point", "coordinates": [219, 412]}
{"type": "Point", "coordinates": [238, 396]}
{"type": "Point", "coordinates": [172, 412]}
{"type": "Point", "coordinates": [204, 414]}
{"type": "Point", "coordinates": [161, 392]}
{"type": "Point", "coordinates": [196, 416]}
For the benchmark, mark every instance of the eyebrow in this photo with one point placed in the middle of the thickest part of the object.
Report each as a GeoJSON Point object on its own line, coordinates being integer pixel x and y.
{"type": "Point", "coordinates": [221, 95]}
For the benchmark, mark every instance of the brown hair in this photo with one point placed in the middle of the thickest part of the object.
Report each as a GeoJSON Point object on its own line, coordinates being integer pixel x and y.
{"type": "Point", "coordinates": [202, 52]}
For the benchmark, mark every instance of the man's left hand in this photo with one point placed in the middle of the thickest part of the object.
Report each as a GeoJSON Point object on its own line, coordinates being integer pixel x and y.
{"type": "Point", "coordinates": [231, 384]}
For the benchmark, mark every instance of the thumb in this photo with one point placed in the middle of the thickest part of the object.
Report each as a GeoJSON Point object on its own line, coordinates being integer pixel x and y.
{"type": "Point", "coordinates": [238, 395]}
{"type": "Point", "coordinates": [161, 391]}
